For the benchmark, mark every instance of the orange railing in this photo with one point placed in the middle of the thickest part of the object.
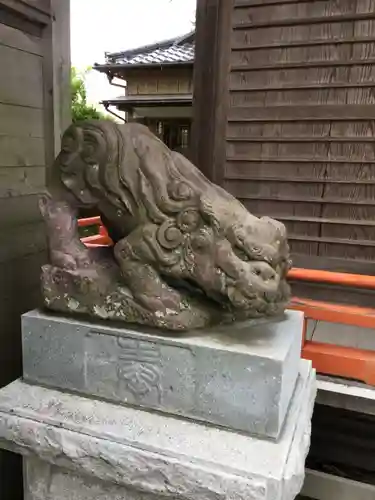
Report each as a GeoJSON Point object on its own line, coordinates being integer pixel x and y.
{"type": "Point", "coordinates": [330, 359]}
{"type": "Point", "coordinates": [315, 275]}
{"type": "Point", "coordinates": [97, 240]}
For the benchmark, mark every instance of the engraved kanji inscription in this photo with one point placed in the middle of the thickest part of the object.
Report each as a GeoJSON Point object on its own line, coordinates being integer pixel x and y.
{"type": "Point", "coordinates": [139, 366]}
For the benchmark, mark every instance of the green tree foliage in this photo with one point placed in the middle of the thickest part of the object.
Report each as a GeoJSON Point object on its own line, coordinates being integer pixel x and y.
{"type": "Point", "coordinates": [81, 110]}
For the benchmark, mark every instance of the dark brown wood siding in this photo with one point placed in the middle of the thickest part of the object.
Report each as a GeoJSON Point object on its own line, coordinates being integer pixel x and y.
{"type": "Point", "coordinates": [300, 123]}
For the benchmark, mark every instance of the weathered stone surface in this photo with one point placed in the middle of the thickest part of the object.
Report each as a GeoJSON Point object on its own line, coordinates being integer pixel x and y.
{"type": "Point", "coordinates": [243, 378]}
{"type": "Point", "coordinates": [186, 253]}
{"type": "Point", "coordinates": [115, 449]}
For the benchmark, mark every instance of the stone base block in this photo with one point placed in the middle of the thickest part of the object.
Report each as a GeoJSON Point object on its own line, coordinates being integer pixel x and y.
{"type": "Point", "coordinates": [241, 377]}
{"type": "Point", "coordinates": [87, 449]}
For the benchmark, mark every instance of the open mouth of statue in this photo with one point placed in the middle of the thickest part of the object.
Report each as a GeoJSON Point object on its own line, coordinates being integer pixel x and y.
{"type": "Point", "coordinates": [257, 283]}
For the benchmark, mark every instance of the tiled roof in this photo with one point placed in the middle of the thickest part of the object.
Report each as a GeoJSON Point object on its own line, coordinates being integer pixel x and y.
{"type": "Point", "coordinates": [175, 50]}
{"type": "Point", "coordinates": [147, 100]}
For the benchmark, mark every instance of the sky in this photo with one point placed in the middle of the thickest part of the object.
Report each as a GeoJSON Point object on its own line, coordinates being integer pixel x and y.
{"type": "Point", "coordinates": [99, 26]}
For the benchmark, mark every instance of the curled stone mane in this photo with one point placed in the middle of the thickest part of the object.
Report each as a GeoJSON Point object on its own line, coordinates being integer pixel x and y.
{"type": "Point", "coordinates": [186, 253]}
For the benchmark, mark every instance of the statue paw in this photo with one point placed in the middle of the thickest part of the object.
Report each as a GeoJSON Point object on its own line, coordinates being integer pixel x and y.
{"type": "Point", "coordinates": [152, 304]}
{"type": "Point", "coordinates": [163, 303]}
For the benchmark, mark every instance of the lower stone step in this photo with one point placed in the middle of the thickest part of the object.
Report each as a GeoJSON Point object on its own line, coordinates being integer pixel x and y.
{"type": "Point", "coordinates": [80, 447]}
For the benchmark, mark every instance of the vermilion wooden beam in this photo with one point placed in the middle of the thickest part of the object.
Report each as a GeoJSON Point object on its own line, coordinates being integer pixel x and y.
{"type": "Point", "coordinates": [90, 221]}
{"type": "Point", "coordinates": [346, 279]}
{"type": "Point", "coordinates": [101, 239]}
{"type": "Point", "coordinates": [96, 240]}
{"type": "Point", "coordinates": [358, 364]}
{"type": "Point", "coordinates": [331, 359]}
{"type": "Point", "coordinates": [335, 313]}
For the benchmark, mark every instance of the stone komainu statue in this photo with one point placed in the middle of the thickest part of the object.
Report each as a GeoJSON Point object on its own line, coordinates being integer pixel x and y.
{"type": "Point", "coordinates": [186, 253]}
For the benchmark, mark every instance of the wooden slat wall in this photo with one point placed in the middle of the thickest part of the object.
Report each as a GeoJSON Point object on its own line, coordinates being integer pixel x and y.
{"type": "Point", "coordinates": [159, 81]}
{"type": "Point", "coordinates": [299, 97]}
{"type": "Point", "coordinates": [301, 122]}
{"type": "Point", "coordinates": [22, 176]}
{"type": "Point", "coordinates": [29, 102]}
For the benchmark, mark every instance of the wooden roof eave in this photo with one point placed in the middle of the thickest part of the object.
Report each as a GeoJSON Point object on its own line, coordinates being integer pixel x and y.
{"type": "Point", "coordinates": [122, 71]}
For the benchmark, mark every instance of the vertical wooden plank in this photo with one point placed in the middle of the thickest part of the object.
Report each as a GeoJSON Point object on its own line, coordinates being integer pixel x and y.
{"type": "Point", "coordinates": [56, 66]}
{"type": "Point", "coordinates": [61, 68]}
{"type": "Point", "coordinates": [210, 100]}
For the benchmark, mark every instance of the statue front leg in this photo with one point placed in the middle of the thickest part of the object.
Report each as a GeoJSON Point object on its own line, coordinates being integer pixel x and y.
{"type": "Point", "coordinates": [142, 278]}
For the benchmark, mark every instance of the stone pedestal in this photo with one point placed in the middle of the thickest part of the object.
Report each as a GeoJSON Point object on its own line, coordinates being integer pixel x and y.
{"type": "Point", "coordinates": [109, 413]}
{"type": "Point", "coordinates": [241, 377]}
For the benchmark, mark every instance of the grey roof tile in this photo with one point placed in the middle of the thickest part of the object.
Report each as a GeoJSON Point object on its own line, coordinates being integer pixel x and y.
{"type": "Point", "coordinates": [176, 50]}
